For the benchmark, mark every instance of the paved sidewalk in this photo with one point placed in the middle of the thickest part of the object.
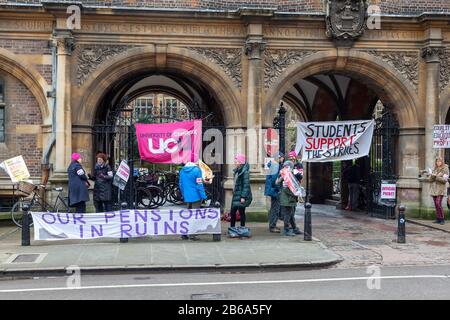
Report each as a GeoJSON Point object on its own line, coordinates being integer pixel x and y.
{"type": "Point", "coordinates": [428, 223]}
{"type": "Point", "coordinates": [263, 250]}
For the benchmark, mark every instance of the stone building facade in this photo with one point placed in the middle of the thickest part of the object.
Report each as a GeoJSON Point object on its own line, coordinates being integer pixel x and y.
{"type": "Point", "coordinates": [239, 58]}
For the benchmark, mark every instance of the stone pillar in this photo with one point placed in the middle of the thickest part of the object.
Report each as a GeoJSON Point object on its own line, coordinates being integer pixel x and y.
{"type": "Point", "coordinates": [431, 57]}
{"type": "Point", "coordinates": [254, 48]}
{"type": "Point", "coordinates": [65, 44]}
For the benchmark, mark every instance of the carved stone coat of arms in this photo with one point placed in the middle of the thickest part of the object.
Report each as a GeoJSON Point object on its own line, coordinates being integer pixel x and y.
{"type": "Point", "coordinates": [346, 19]}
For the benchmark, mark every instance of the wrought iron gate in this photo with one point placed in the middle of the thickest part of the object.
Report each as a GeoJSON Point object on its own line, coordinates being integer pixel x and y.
{"type": "Point", "coordinates": [116, 136]}
{"type": "Point", "coordinates": [382, 165]}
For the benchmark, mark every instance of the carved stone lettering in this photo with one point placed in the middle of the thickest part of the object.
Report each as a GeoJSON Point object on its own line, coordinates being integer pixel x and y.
{"type": "Point", "coordinates": [276, 61]}
{"type": "Point", "coordinates": [89, 57]}
{"type": "Point", "coordinates": [229, 59]}
{"type": "Point", "coordinates": [407, 63]}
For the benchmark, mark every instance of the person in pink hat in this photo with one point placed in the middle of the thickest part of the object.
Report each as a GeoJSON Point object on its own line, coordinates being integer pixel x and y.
{"type": "Point", "coordinates": [78, 184]}
{"type": "Point", "coordinates": [242, 194]}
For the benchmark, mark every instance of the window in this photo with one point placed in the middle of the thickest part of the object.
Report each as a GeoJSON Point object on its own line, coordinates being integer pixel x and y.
{"type": "Point", "coordinates": [2, 123]}
{"type": "Point", "coordinates": [2, 110]}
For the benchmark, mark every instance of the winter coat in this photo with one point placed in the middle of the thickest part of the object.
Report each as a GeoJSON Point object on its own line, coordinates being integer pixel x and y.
{"type": "Point", "coordinates": [191, 183]}
{"type": "Point", "coordinates": [242, 187]}
{"type": "Point", "coordinates": [78, 184]}
{"type": "Point", "coordinates": [103, 177]}
{"type": "Point", "coordinates": [287, 198]}
{"type": "Point", "coordinates": [439, 182]}
{"type": "Point", "coordinates": [271, 188]}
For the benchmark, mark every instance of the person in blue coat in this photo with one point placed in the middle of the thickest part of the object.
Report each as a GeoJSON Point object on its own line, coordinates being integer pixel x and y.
{"type": "Point", "coordinates": [192, 189]}
{"type": "Point", "coordinates": [78, 184]}
{"type": "Point", "coordinates": [272, 190]}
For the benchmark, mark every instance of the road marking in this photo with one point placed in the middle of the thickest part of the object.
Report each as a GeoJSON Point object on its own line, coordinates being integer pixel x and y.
{"type": "Point", "coordinates": [199, 284]}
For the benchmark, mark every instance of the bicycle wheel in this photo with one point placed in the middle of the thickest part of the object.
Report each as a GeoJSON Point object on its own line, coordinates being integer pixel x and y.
{"type": "Point", "coordinates": [175, 195]}
{"type": "Point", "coordinates": [158, 198]}
{"type": "Point", "coordinates": [144, 198]}
{"type": "Point", "coordinates": [17, 210]}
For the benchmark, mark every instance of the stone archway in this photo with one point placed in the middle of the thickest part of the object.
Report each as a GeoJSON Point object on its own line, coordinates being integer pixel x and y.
{"type": "Point", "coordinates": [147, 59]}
{"type": "Point", "coordinates": [14, 65]}
{"type": "Point", "coordinates": [385, 80]}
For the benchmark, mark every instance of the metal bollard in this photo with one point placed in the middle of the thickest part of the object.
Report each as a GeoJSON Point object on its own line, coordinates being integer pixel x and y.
{"type": "Point", "coordinates": [25, 225]}
{"type": "Point", "coordinates": [124, 206]}
{"type": "Point", "coordinates": [401, 230]}
{"type": "Point", "coordinates": [307, 234]}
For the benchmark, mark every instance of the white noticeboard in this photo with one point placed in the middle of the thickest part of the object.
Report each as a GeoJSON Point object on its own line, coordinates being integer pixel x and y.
{"type": "Point", "coordinates": [388, 191]}
{"type": "Point", "coordinates": [441, 136]}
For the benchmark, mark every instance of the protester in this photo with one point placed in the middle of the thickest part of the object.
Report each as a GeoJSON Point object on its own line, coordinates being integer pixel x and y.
{"type": "Point", "coordinates": [103, 177]}
{"type": "Point", "coordinates": [272, 190]}
{"type": "Point", "coordinates": [78, 184]}
{"type": "Point", "coordinates": [192, 189]}
{"type": "Point", "coordinates": [298, 166]}
{"type": "Point", "coordinates": [353, 176]}
{"type": "Point", "coordinates": [438, 181]}
{"type": "Point", "coordinates": [242, 194]}
{"type": "Point", "coordinates": [288, 203]}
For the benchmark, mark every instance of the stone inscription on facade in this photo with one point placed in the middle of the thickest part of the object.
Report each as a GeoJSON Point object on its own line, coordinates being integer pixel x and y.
{"type": "Point", "coordinates": [276, 61]}
{"type": "Point", "coordinates": [26, 25]}
{"type": "Point", "coordinates": [293, 32]}
{"type": "Point", "coordinates": [229, 59]}
{"type": "Point", "coordinates": [89, 57]}
{"type": "Point", "coordinates": [445, 69]}
{"type": "Point", "coordinates": [407, 63]}
{"type": "Point", "coordinates": [164, 29]}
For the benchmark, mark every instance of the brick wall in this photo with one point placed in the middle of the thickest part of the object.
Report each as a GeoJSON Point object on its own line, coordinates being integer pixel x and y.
{"type": "Point", "coordinates": [21, 108]}
{"type": "Point", "coordinates": [387, 6]}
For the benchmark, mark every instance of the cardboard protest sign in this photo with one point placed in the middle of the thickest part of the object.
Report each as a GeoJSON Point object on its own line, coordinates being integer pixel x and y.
{"type": "Point", "coordinates": [16, 169]}
{"type": "Point", "coordinates": [125, 223]}
{"type": "Point", "coordinates": [334, 141]}
{"type": "Point", "coordinates": [441, 136]}
{"type": "Point", "coordinates": [122, 175]}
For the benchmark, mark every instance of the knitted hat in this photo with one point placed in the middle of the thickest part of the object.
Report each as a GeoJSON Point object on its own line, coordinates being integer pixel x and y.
{"type": "Point", "coordinates": [292, 154]}
{"type": "Point", "coordinates": [278, 155]}
{"type": "Point", "coordinates": [76, 156]}
{"type": "Point", "coordinates": [289, 164]}
{"type": "Point", "coordinates": [240, 158]}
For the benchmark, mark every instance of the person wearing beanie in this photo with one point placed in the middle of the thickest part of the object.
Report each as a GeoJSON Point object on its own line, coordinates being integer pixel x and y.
{"type": "Point", "coordinates": [272, 190]}
{"type": "Point", "coordinates": [242, 194]}
{"type": "Point", "coordinates": [288, 202]}
{"type": "Point", "coordinates": [103, 177]}
{"type": "Point", "coordinates": [298, 166]}
{"type": "Point", "coordinates": [78, 184]}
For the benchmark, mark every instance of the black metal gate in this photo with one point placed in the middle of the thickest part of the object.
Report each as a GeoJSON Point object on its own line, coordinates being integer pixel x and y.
{"type": "Point", "coordinates": [382, 165]}
{"type": "Point", "coordinates": [116, 136]}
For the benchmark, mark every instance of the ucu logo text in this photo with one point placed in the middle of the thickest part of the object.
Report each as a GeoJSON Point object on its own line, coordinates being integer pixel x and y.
{"type": "Point", "coordinates": [170, 146]}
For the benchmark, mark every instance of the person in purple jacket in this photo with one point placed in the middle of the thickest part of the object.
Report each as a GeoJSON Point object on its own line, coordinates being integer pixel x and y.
{"type": "Point", "coordinates": [192, 189]}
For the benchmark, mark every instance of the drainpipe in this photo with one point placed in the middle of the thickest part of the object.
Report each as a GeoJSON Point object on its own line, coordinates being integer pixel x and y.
{"type": "Point", "coordinates": [45, 167]}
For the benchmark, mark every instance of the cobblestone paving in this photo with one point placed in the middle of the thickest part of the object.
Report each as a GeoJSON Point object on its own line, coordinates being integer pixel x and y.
{"type": "Point", "coordinates": [362, 240]}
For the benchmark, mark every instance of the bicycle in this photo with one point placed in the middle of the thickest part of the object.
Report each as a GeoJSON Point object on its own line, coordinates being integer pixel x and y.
{"type": "Point", "coordinates": [31, 196]}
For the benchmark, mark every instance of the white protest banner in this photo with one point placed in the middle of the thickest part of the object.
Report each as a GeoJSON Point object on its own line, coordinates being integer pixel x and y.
{"type": "Point", "coordinates": [16, 169]}
{"type": "Point", "coordinates": [125, 223]}
{"type": "Point", "coordinates": [122, 175]}
{"type": "Point", "coordinates": [334, 141]}
{"type": "Point", "coordinates": [388, 191]}
{"type": "Point", "coordinates": [441, 136]}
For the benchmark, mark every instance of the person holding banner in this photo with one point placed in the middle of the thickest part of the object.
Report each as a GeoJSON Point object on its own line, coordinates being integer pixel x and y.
{"type": "Point", "coordinates": [298, 166]}
{"type": "Point", "coordinates": [103, 177]}
{"type": "Point", "coordinates": [78, 184]}
{"type": "Point", "coordinates": [192, 189]}
{"type": "Point", "coordinates": [438, 180]}
{"type": "Point", "coordinates": [288, 200]}
{"type": "Point", "coordinates": [242, 194]}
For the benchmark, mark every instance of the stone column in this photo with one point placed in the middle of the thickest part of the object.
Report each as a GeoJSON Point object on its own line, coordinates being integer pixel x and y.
{"type": "Point", "coordinates": [254, 48]}
{"type": "Point", "coordinates": [65, 44]}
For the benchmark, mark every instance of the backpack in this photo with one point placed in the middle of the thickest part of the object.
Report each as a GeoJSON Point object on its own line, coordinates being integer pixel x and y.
{"type": "Point", "coordinates": [239, 232]}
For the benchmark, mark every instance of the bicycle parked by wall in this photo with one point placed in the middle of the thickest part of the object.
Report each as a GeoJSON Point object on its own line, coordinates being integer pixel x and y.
{"type": "Point", "coordinates": [34, 196]}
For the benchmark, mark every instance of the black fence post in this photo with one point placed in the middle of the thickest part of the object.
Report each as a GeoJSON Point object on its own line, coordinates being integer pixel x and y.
{"type": "Point", "coordinates": [123, 206]}
{"type": "Point", "coordinates": [25, 225]}
{"type": "Point", "coordinates": [307, 234]}
{"type": "Point", "coordinates": [401, 230]}
{"type": "Point", "coordinates": [282, 129]}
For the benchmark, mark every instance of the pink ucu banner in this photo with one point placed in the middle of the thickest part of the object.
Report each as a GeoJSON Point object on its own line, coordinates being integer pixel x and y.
{"type": "Point", "coordinates": [177, 142]}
